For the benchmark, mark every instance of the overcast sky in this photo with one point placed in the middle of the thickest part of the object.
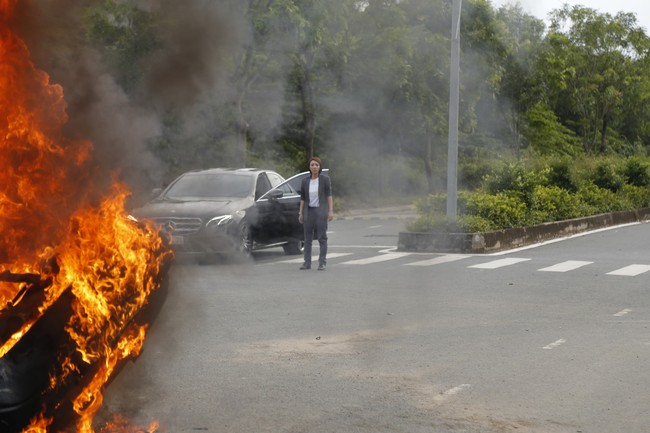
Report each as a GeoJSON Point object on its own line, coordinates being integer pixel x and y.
{"type": "Point", "coordinates": [541, 8]}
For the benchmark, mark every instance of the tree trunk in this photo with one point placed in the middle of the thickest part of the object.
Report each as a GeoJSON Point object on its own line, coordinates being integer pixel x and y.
{"type": "Point", "coordinates": [241, 131]}
{"type": "Point", "coordinates": [428, 170]}
{"type": "Point", "coordinates": [516, 136]}
{"type": "Point", "coordinates": [603, 137]}
{"type": "Point", "coordinates": [244, 81]}
{"type": "Point", "coordinates": [308, 111]}
{"type": "Point", "coordinates": [428, 164]}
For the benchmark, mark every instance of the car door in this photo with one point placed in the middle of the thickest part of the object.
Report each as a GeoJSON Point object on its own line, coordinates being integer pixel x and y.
{"type": "Point", "coordinates": [278, 209]}
{"type": "Point", "coordinates": [296, 180]}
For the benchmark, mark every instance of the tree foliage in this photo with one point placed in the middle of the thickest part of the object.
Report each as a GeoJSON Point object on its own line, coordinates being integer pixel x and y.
{"type": "Point", "coordinates": [365, 84]}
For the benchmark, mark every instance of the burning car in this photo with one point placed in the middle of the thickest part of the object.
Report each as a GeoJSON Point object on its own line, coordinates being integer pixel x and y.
{"type": "Point", "coordinates": [67, 329]}
{"type": "Point", "coordinates": [222, 210]}
{"type": "Point", "coordinates": [79, 278]}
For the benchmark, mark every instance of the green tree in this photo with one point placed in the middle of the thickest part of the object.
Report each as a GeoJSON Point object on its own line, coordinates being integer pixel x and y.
{"type": "Point", "coordinates": [400, 73]}
{"type": "Point", "coordinates": [522, 39]}
{"type": "Point", "coordinates": [635, 111]}
{"type": "Point", "coordinates": [596, 54]}
{"type": "Point", "coordinates": [547, 135]}
{"type": "Point", "coordinates": [259, 67]}
{"type": "Point", "coordinates": [126, 36]}
{"type": "Point", "coordinates": [323, 47]}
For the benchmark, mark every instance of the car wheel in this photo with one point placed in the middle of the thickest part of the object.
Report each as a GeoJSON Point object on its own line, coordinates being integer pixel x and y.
{"type": "Point", "coordinates": [245, 245]}
{"type": "Point", "coordinates": [294, 248]}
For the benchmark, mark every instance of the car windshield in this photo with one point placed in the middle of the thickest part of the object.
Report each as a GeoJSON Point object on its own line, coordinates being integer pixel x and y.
{"type": "Point", "coordinates": [211, 186]}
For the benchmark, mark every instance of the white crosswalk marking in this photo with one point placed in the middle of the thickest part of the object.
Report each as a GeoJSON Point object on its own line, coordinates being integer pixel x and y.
{"type": "Point", "coordinates": [631, 271]}
{"type": "Point", "coordinates": [499, 263]}
{"type": "Point", "coordinates": [569, 265]}
{"type": "Point", "coordinates": [622, 312]}
{"type": "Point", "coordinates": [439, 260]}
{"type": "Point", "coordinates": [376, 259]}
{"type": "Point", "coordinates": [555, 344]}
{"type": "Point", "coordinates": [329, 256]}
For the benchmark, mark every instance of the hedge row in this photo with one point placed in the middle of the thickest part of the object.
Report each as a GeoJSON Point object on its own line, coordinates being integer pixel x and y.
{"type": "Point", "coordinates": [522, 194]}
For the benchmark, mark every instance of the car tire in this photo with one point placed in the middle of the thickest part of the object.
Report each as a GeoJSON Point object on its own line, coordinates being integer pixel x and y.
{"type": "Point", "coordinates": [245, 241]}
{"type": "Point", "coordinates": [294, 248]}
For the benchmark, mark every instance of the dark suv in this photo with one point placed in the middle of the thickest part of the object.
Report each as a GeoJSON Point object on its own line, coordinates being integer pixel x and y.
{"type": "Point", "coordinates": [224, 210]}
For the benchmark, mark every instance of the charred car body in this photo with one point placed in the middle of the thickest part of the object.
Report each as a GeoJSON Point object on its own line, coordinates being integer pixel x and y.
{"type": "Point", "coordinates": [221, 210]}
{"type": "Point", "coordinates": [42, 369]}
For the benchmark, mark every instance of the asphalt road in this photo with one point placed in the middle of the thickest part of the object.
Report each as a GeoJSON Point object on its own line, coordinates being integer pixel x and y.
{"type": "Point", "coordinates": [547, 339]}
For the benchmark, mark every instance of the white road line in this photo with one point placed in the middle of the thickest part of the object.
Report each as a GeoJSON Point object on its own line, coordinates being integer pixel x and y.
{"type": "Point", "coordinates": [376, 259]}
{"type": "Point", "coordinates": [498, 263]}
{"type": "Point", "coordinates": [438, 260]}
{"type": "Point", "coordinates": [569, 265]}
{"type": "Point", "coordinates": [554, 344]}
{"type": "Point", "coordinates": [631, 271]}
{"type": "Point", "coordinates": [623, 312]}
{"type": "Point", "coordinates": [329, 256]}
{"type": "Point", "coordinates": [552, 241]}
{"type": "Point", "coordinates": [375, 227]}
{"type": "Point", "coordinates": [453, 391]}
{"type": "Point", "coordinates": [389, 247]}
{"type": "Point", "coordinates": [630, 322]}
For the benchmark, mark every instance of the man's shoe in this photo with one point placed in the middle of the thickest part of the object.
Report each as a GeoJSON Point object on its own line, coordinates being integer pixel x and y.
{"type": "Point", "coordinates": [321, 267]}
{"type": "Point", "coordinates": [305, 266]}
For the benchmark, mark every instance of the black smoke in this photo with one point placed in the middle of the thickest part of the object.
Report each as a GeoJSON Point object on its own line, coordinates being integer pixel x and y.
{"type": "Point", "coordinates": [186, 68]}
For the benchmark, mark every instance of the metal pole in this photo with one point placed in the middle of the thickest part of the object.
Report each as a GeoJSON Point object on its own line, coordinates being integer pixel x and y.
{"type": "Point", "coordinates": [452, 152]}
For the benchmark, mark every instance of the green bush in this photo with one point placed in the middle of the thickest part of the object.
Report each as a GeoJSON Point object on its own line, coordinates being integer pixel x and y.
{"type": "Point", "coordinates": [476, 224]}
{"type": "Point", "coordinates": [437, 223]}
{"type": "Point", "coordinates": [606, 176]}
{"type": "Point", "coordinates": [515, 179]}
{"type": "Point", "coordinates": [424, 223]}
{"type": "Point", "coordinates": [635, 197]}
{"type": "Point", "coordinates": [516, 195]}
{"type": "Point", "coordinates": [561, 175]}
{"type": "Point", "coordinates": [636, 172]}
{"type": "Point", "coordinates": [598, 200]}
{"type": "Point", "coordinates": [432, 204]}
{"type": "Point", "coordinates": [501, 209]}
{"type": "Point", "coordinates": [552, 203]}
{"type": "Point", "coordinates": [472, 173]}
{"type": "Point", "coordinates": [443, 224]}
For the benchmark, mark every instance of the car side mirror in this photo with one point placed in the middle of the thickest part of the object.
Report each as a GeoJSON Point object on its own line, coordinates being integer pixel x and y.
{"type": "Point", "coordinates": [275, 194]}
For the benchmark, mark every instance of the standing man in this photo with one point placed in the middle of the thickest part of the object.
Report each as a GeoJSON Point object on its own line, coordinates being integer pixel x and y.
{"type": "Point", "coordinates": [316, 209]}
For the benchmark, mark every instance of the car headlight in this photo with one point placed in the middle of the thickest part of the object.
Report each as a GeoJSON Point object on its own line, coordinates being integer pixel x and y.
{"type": "Point", "coordinates": [219, 221]}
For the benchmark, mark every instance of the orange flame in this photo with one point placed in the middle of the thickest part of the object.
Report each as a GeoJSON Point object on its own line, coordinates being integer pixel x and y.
{"type": "Point", "coordinates": [42, 173]}
{"type": "Point", "coordinates": [110, 264]}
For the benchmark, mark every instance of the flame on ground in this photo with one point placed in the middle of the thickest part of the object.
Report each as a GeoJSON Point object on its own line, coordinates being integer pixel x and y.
{"type": "Point", "coordinates": [109, 263]}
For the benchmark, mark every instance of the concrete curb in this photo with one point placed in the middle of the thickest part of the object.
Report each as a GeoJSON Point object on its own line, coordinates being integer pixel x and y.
{"type": "Point", "coordinates": [501, 240]}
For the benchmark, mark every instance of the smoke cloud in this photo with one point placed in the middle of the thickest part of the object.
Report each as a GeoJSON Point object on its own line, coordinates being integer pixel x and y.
{"type": "Point", "coordinates": [194, 34]}
{"type": "Point", "coordinates": [195, 41]}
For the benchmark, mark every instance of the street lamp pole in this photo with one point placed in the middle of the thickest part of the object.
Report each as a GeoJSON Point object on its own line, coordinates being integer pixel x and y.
{"type": "Point", "coordinates": [452, 152]}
